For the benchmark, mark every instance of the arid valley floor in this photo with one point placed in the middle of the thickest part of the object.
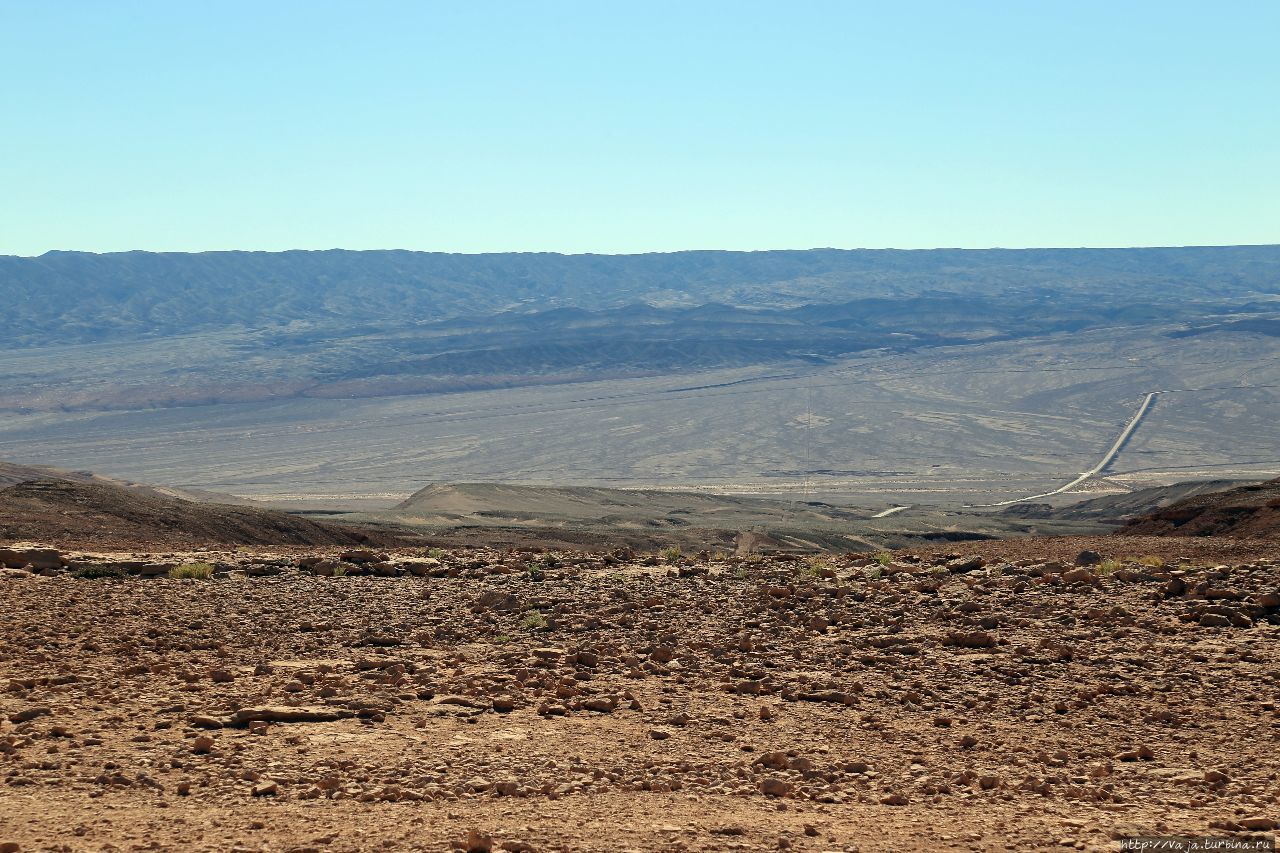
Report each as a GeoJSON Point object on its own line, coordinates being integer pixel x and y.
{"type": "Point", "coordinates": [476, 699]}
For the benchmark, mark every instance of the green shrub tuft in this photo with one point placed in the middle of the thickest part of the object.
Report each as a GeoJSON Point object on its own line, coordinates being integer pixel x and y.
{"type": "Point", "coordinates": [196, 571]}
{"type": "Point", "coordinates": [99, 572]}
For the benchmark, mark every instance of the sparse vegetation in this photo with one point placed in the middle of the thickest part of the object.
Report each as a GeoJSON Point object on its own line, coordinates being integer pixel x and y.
{"type": "Point", "coordinates": [1109, 566]}
{"type": "Point", "coordinates": [534, 620]}
{"type": "Point", "coordinates": [100, 572]}
{"type": "Point", "coordinates": [437, 553]}
{"type": "Point", "coordinates": [192, 571]}
{"type": "Point", "coordinates": [884, 558]}
{"type": "Point", "coordinates": [813, 567]}
{"type": "Point", "coordinates": [1150, 561]}
{"type": "Point", "coordinates": [671, 553]}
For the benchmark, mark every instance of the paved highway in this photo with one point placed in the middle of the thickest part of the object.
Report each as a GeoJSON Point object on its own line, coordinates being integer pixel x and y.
{"type": "Point", "coordinates": [1106, 460]}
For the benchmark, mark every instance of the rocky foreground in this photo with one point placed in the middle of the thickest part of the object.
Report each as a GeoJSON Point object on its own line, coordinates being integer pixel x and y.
{"type": "Point", "coordinates": [354, 700]}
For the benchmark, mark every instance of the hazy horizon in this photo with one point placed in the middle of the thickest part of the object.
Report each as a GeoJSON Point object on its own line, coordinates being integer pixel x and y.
{"type": "Point", "coordinates": [654, 252]}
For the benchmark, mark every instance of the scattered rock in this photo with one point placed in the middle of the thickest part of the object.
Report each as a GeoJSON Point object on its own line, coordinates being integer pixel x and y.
{"type": "Point", "coordinates": [478, 842]}
{"type": "Point", "coordinates": [362, 555]}
{"type": "Point", "coordinates": [1142, 753]}
{"type": "Point", "coordinates": [1079, 576]}
{"type": "Point", "coordinates": [287, 714]}
{"type": "Point", "coordinates": [963, 565]}
{"type": "Point", "coordinates": [502, 602]}
{"type": "Point", "coordinates": [971, 639]}
{"type": "Point", "coordinates": [34, 558]}
{"type": "Point", "coordinates": [1040, 695]}
{"type": "Point", "coordinates": [772, 786]}
{"type": "Point", "coordinates": [28, 714]}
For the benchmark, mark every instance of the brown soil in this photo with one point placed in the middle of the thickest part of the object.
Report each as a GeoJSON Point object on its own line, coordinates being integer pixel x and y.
{"type": "Point", "coordinates": [1251, 511]}
{"type": "Point", "coordinates": [103, 515]}
{"type": "Point", "coordinates": [1203, 551]}
{"type": "Point", "coordinates": [608, 703]}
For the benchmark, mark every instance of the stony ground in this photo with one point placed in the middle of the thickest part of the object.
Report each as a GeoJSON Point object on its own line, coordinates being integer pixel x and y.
{"type": "Point", "coordinates": [529, 701]}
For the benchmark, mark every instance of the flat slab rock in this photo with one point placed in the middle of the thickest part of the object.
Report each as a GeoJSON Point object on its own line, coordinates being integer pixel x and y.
{"type": "Point", "coordinates": [287, 714]}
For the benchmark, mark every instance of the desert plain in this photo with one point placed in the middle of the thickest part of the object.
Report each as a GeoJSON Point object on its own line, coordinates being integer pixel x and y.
{"type": "Point", "coordinates": [989, 696]}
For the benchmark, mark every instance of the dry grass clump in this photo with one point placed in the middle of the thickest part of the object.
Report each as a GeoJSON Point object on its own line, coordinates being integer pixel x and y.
{"type": "Point", "coordinates": [194, 571]}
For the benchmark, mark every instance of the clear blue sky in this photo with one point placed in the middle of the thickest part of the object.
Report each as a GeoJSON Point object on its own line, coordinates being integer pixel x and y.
{"type": "Point", "coordinates": [623, 127]}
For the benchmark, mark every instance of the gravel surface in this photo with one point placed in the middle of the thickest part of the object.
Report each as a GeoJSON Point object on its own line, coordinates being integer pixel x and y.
{"type": "Point", "coordinates": [314, 699]}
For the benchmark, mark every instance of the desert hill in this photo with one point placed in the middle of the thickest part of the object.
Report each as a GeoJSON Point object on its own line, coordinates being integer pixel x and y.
{"type": "Point", "coordinates": [12, 473]}
{"type": "Point", "coordinates": [102, 514]}
{"type": "Point", "coordinates": [582, 503]}
{"type": "Point", "coordinates": [1245, 512]}
{"type": "Point", "coordinates": [582, 516]}
{"type": "Point", "coordinates": [1120, 508]}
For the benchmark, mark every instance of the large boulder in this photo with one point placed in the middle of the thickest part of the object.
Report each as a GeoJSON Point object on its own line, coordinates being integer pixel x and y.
{"type": "Point", "coordinates": [502, 602]}
{"type": "Point", "coordinates": [34, 558]}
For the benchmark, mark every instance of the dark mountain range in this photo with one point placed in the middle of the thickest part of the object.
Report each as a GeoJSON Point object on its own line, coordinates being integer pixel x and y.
{"type": "Point", "coordinates": [82, 297]}
{"type": "Point", "coordinates": [182, 330]}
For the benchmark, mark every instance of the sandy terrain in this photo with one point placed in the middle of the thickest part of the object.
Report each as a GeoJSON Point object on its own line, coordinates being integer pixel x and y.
{"type": "Point", "coordinates": [475, 699]}
{"type": "Point", "coordinates": [941, 426]}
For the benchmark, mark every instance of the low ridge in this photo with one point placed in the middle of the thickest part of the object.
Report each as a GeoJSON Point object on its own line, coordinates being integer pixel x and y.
{"type": "Point", "coordinates": [1246, 512]}
{"type": "Point", "coordinates": [67, 512]}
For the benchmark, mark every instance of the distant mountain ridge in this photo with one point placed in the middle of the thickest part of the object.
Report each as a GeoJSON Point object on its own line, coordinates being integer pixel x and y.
{"type": "Point", "coordinates": [71, 297]}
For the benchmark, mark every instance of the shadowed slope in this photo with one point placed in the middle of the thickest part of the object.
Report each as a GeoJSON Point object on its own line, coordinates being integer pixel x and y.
{"type": "Point", "coordinates": [64, 512]}
{"type": "Point", "coordinates": [1248, 512]}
